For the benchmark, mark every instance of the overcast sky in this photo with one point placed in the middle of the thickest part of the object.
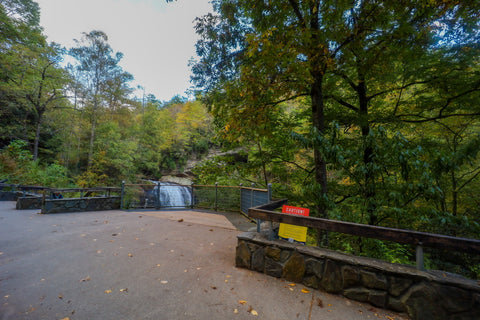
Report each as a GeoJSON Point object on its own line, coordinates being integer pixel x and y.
{"type": "Point", "coordinates": [156, 38]}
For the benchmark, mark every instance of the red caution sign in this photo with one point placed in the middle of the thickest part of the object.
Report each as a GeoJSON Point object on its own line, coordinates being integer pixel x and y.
{"type": "Point", "coordinates": [291, 232]}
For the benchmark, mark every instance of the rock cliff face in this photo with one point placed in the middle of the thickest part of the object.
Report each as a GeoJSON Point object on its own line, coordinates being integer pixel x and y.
{"type": "Point", "coordinates": [187, 177]}
{"type": "Point", "coordinates": [181, 179]}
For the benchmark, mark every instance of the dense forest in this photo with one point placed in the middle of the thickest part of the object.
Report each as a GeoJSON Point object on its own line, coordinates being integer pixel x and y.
{"type": "Point", "coordinates": [78, 123]}
{"type": "Point", "coordinates": [365, 111]}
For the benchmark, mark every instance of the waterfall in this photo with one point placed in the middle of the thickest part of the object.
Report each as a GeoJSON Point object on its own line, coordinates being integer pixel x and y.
{"type": "Point", "coordinates": [172, 195]}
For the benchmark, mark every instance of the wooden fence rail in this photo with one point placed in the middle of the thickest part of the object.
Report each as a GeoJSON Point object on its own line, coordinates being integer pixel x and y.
{"type": "Point", "coordinates": [418, 239]}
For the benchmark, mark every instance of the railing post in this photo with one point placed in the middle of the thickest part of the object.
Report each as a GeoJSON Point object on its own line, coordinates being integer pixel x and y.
{"type": "Point", "coordinates": [419, 257]}
{"type": "Point", "coordinates": [241, 198]}
{"type": "Point", "coordinates": [269, 188]}
{"type": "Point", "coordinates": [191, 196]}
{"type": "Point", "coordinates": [122, 194]}
{"type": "Point", "coordinates": [158, 205]}
{"type": "Point", "coordinates": [216, 195]}
{"type": "Point", "coordinates": [259, 222]}
{"type": "Point", "coordinates": [43, 201]}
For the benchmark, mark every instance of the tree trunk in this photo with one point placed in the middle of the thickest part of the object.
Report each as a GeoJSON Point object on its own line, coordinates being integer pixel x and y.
{"type": "Point", "coordinates": [369, 191]}
{"type": "Point", "coordinates": [454, 193]}
{"type": "Point", "coordinates": [92, 141]}
{"type": "Point", "coordinates": [318, 119]}
{"type": "Point", "coordinates": [36, 142]}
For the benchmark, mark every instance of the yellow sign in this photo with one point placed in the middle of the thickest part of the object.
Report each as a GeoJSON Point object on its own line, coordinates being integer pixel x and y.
{"type": "Point", "coordinates": [291, 232]}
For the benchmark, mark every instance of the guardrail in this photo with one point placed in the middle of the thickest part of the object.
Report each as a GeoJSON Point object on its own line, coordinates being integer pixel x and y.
{"type": "Point", "coordinates": [84, 192]}
{"type": "Point", "coordinates": [19, 187]}
{"type": "Point", "coordinates": [211, 197]}
{"type": "Point", "coordinates": [415, 238]}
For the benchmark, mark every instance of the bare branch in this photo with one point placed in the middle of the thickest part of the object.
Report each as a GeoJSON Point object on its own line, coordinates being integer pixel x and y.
{"type": "Point", "coordinates": [299, 15]}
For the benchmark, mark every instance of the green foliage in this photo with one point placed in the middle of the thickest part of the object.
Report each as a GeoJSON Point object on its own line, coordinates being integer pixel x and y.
{"type": "Point", "coordinates": [171, 134]}
{"type": "Point", "coordinates": [94, 176]}
{"type": "Point", "coordinates": [17, 165]}
{"type": "Point", "coordinates": [385, 108]}
{"type": "Point", "coordinates": [362, 111]}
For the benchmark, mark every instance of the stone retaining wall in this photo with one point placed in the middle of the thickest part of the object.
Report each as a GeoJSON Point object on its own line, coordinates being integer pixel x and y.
{"type": "Point", "coordinates": [81, 204]}
{"type": "Point", "coordinates": [8, 195]}
{"type": "Point", "coordinates": [420, 294]}
{"type": "Point", "coordinates": [29, 202]}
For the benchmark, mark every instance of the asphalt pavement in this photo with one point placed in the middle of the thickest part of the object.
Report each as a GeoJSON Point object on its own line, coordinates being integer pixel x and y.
{"type": "Point", "coordinates": [145, 265]}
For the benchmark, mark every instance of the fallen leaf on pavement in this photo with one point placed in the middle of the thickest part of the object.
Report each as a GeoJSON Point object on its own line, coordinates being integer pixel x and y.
{"type": "Point", "coordinates": [164, 281]}
{"type": "Point", "coordinates": [305, 290]}
{"type": "Point", "coordinates": [31, 309]}
{"type": "Point", "coordinates": [253, 312]}
{"type": "Point", "coordinates": [320, 303]}
{"type": "Point", "coordinates": [292, 284]}
{"type": "Point", "coordinates": [180, 220]}
{"type": "Point", "coordinates": [242, 302]}
{"type": "Point", "coordinates": [235, 311]}
{"type": "Point", "coordinates": [67, 318]}
{"type": "Point", "coordinates": [85, 279]}
{"type": "Point", "coordinates": [130, 255]}
{"type": "Point", "coordinates": [60, 296]}
{"type": "Point", "coordinates": [108, 291]}
{"type": "Point", "coordinates": [124, 290]}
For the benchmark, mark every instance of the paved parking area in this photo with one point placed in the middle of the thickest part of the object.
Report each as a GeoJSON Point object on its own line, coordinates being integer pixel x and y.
{"type": "Point", "coordinates": [144, 265]}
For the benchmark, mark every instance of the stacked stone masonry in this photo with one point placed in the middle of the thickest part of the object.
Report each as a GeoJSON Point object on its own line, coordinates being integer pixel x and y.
{"type": "Point", "coordinates": [81, 204]}
{"type": "Point", "coordinates": [8, 195]}
{"type": "Point", "coordinates": [30, 202]}
{"type": "Point", "coordinates": [420, 294]}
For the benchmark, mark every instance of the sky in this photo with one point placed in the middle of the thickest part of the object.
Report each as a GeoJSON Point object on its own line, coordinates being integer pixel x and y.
{"type": "Point", "coordinates": [157, 38]}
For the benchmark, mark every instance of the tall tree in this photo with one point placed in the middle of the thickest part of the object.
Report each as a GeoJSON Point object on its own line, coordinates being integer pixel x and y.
{"type": "Point", "coordinates": [344, 54]}
{"type": "Point", "coordinates": [32, 79]}
{"type": "Point", "coordinates": [100, 74]}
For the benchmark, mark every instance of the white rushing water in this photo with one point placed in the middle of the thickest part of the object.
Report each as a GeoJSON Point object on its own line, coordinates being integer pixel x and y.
{"type": "Point", "coordinates": [173, 195]}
